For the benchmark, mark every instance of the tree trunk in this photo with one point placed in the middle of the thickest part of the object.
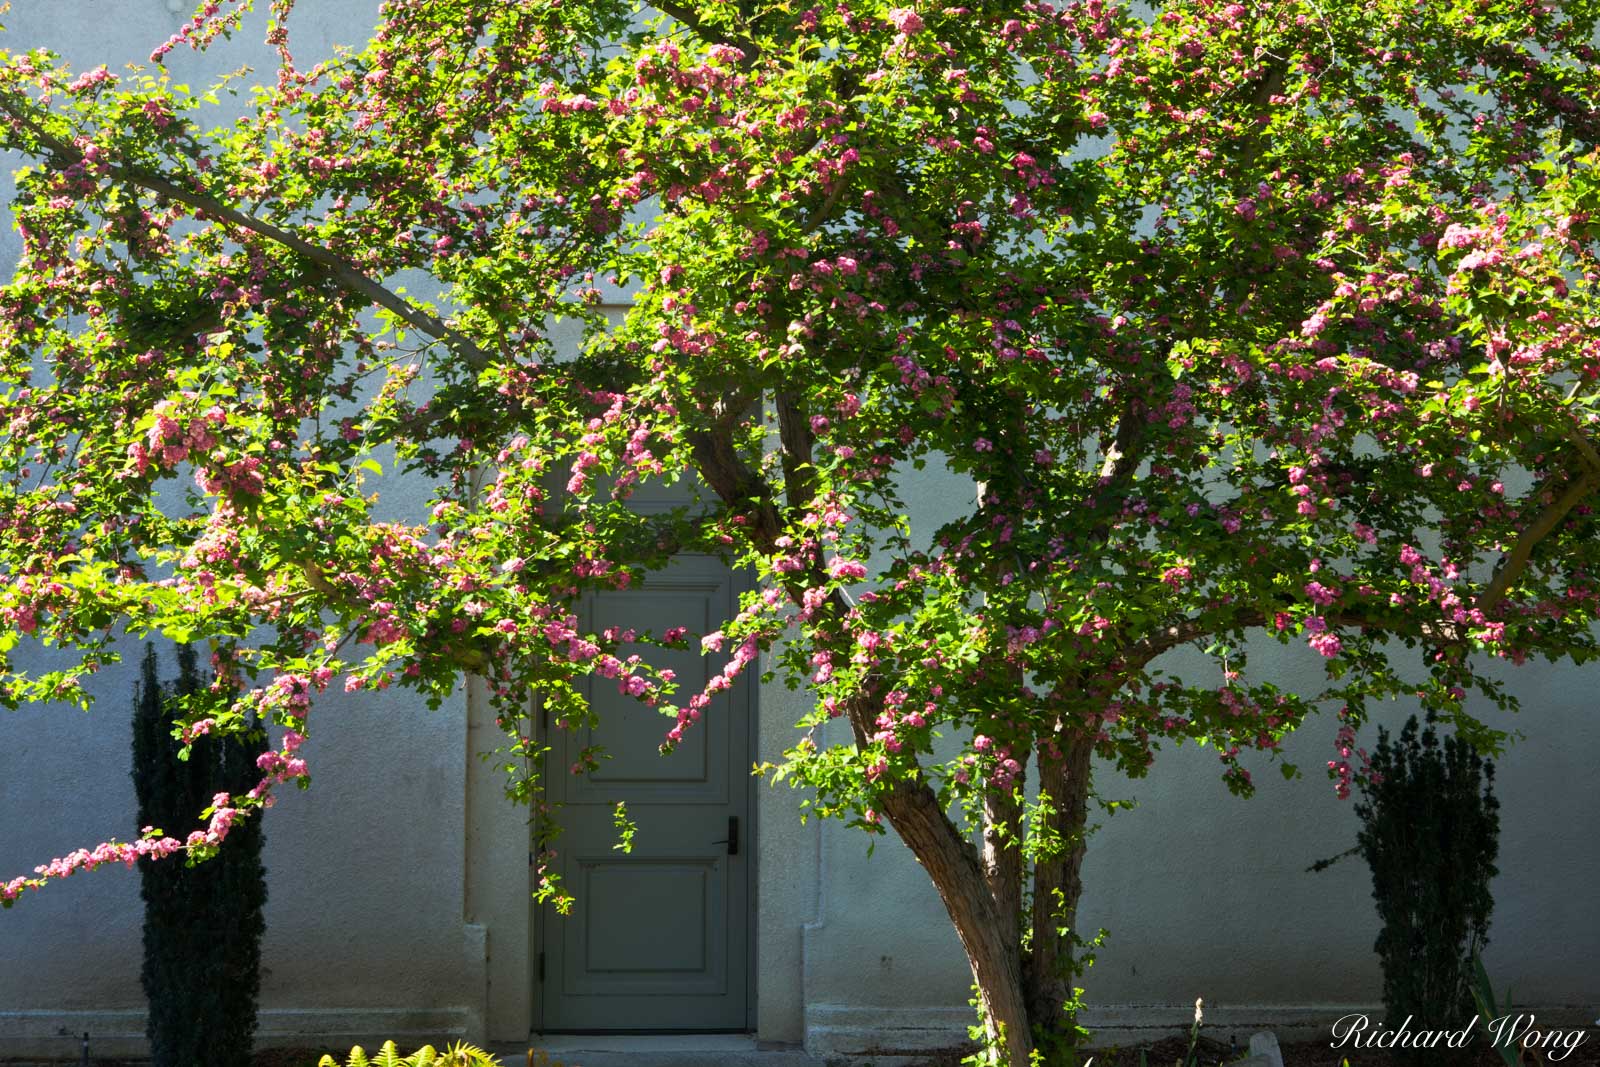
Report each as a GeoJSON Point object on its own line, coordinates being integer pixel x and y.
{"type": "Point", "coordinates": [991, 945]}
{"type": "Point", "coordinates": [1057, 885]}
{"type": "Point", "coordinates": [1002, 858]}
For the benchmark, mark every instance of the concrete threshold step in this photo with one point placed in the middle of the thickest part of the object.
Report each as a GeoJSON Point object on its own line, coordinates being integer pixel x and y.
{"type": "Point", "coordinates": [653, 1050]}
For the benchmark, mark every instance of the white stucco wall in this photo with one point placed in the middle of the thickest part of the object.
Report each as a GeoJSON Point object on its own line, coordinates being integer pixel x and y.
{"type": "Point", "coordinates": [399, 885]}
{"type": "Point", "coordinates": [1207, 895]}
{"type": "Point", "coordinates": [365, 870]}
{"type": "Point", "coordinates": [364, 876]}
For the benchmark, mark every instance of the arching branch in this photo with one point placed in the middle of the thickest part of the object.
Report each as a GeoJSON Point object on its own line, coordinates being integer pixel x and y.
{"type": "Point", "coordinates": [346, 274]}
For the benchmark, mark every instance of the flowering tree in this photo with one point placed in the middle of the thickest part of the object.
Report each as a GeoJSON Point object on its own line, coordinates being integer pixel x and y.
{"type": "Point", "coordinates": [1263, 319]}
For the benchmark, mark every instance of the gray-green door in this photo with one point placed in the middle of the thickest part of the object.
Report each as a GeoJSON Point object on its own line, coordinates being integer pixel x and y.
{"type": "Point", "coordinates": [659, 936]}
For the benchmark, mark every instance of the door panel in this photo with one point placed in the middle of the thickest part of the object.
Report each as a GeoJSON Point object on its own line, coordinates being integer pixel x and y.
{"type": "Point", "coordinates": [658, 938]}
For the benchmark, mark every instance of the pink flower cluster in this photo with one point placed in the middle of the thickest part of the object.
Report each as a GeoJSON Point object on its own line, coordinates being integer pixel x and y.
{"type": "Point", "coordinates": [742, 657]}
{"type": "Point", "coordinates": [88, 860]}
{"type": "Point", "coordinates": [202, 29]}
{"type": "Point", "coordinates": [1322, 640]}
{"type": "Point", "coordinates": [152, 843]}
{"type": "Point", "coordinates": [905, 20]}
{"type": "Point", "coordinates": [1339, 769]}
{"type": "Point", "coordinates": [895, 718]}
{"type": "Point", "coordinates": [846, 570]}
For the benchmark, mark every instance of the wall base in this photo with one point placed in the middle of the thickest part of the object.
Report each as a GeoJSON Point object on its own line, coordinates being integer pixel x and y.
{"type": "Point", "coordinates": [58, 1035]}
{"type": "Point", "coordinates": [842, 1032]}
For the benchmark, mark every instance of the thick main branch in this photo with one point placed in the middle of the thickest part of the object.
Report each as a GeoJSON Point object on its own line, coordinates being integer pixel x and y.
{"type": "Point", "coordinates": [1515, 562]}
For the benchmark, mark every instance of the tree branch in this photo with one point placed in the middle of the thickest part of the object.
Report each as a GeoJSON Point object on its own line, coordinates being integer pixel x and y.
{"type": "Point", "coordinates": [740, 487]}
{"type": "Point", "coordinates": [796, 442]}
{"type": "Point", "coordinates": [1002, 850]}
{"type": "Point", "coordinates": [1140, 652]}
{"type": "Point", "coordinates": [1126, 449]}
{"type": "Point", "coordinates": [341, 270]}
{"type": "Point", "coordinates": [1058, 882]}
{"type": "Point", "coordinates": [1515, 562]}
{"type": "Point", "coordinates": [824, 211]}
{"type": "Point", "coordinates": [689, 18]}
{"type": "Point", "coordinates": [952, 863]}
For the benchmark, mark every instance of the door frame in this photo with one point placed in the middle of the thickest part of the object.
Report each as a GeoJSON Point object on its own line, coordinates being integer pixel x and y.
{"type": "Point", "coordinates": [742, 581]}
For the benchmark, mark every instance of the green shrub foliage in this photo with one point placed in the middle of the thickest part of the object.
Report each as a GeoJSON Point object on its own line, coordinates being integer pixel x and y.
{"type": "Point", "coordinates": [1430, 832]}
{"type": "Point", "coordinates": [202, 923]}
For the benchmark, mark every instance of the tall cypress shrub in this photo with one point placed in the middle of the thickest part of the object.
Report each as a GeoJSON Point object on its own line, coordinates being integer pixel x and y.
{"type": "Point", "coordinates": [202, 924]}
{"type": "Point", "coordinates": [1430, 833]}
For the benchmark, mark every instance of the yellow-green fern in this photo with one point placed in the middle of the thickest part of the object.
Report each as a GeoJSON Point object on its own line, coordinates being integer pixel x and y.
{"type": "Point", "coordinates": [459, 1055]}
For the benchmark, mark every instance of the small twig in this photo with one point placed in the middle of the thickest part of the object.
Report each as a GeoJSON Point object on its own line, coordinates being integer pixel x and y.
{"type": "Point", "coordinates": [1590, 456]}
{"type": "Point", "coordinates": [1322, 865]}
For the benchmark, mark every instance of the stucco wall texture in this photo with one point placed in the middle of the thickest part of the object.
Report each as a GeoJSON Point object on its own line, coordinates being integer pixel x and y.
{"type": "Point", "coordinates": [399, 887]}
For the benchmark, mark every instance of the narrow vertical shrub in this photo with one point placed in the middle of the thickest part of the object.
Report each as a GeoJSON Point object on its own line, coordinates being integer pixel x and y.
{"type": "Point", "coordinates": [1430, 833]}
{"type": "Point", "coordinates": [202, 924]}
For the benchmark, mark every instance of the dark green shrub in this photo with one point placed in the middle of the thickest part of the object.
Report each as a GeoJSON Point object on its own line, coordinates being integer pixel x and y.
{"type": "Point", "coordinates": [1430, 832]}
{"type": "Point", "coordinates": [202, 923]}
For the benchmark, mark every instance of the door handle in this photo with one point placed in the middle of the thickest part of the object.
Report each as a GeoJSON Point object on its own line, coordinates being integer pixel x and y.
{"type": "Point", "coordinates": [732, 840]}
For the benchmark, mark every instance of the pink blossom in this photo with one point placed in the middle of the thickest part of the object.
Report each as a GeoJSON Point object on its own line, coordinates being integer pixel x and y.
{"type": "Point", "coordinates": [905, 20]}
{"type": "Point", "coordinates": [846, 569]}
{"type": "Point", "coordinates": [1321, 594]}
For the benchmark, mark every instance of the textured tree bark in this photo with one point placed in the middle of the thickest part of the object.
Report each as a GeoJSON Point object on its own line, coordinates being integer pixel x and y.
{"type": "Point", "coordinates": [991, 946]}
{"type": "Point", "coordinates": [1002, 858]}
{"type": "Point", "coordinates": [982, 894]}
{"type": "Point", "coordinates": [1057, 885]}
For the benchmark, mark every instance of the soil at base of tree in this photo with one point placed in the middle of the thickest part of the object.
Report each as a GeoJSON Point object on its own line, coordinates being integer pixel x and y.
{"type": "Point", "coordinates": [1171, 1050]}
{"type": "Point", "coordinates": [1317, 1054]}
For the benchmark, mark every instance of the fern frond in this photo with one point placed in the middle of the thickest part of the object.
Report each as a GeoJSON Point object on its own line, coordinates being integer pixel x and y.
{"type": "Point", "coordinates": [460, 1054]}
{"type": "Point", "coordinates": [358, 1058]}
{"type": "Point", "coordinates": [389, 1056]}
